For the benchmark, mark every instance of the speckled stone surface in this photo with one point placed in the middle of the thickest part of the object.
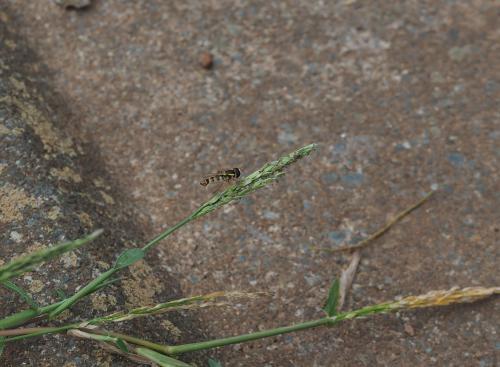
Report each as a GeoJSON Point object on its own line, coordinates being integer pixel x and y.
{"type": "Point", "coordinates": [402, 97]}
{"type": "Point", "coordinates": [53, 189]}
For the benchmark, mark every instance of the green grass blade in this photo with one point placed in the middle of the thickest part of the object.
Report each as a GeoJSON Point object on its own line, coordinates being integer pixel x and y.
{"type": "Point", "coordinates": [214, 363]}
{"type": "Point", "coordinates": [89, 288]}
{"type": "Point", "coordinates": [28, 263]}
{"type": "Point", "coordinates": [118, 342]}
{"type": "Point", "coordinates": [128, 257]}
{"type": "Point", "coordinates": [26, 315]}
{"type": "Point", "coordinates": [333, 299]}
{"type": "Point", "coordinates": [160, 359]}
{"type": "Point", "coordinates": [122, 345]}
{"type": "Point", "coordinates": [61, 295]}
{"type": "Point", "coordinates": [211, 299]}
{"type": "Point", "coordinates": [21, 292]}
{"type": "Point", "coordinates": [42, 331]}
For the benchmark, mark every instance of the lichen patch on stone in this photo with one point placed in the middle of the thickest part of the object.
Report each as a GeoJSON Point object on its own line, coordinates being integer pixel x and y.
{"type": "Point", "coordinates": [36, 286]}
{"type": "Point", "coordinates": [69, 260]}
{"type": "Point", "coordinates": [10, 44]}
{"type": "Point", "coordinates": [4, 66]}
{"type": "Point", "coordinates": [102, 357]}
{"type": "Point", "coordinates": [66, 174]}
{"type": "Point", "coordinates": [4, 130]}
{"type": "Point", "coordinates": [4, 17]}
{"type": "Point", "coordinates": [15, 236]}
{"type": "Point", "coordinates": [52, 141]}
{"type": "Point", "coordinates": [142, 286]}
{"type": "Point", "coordinates": [13, 201]}
{"type": "Point", "coordinates": [18, 85]}
{"type": "Point", "coordinates": [85, 219]}
{"type": "Point", "coordinates": [65, 315]}
{"type": "Point", "coordinates": [173, 330]}
{"type": "Point", "coordinates": [99, 182]}
{"type": "Point", "coordinates": [107, 198]}
{"type": "Point", "coordinates": [54, 213]}
{"type": "Point", "coordinates": [102, 302]}
{"type": "Point", "coordinates": [36, 246]}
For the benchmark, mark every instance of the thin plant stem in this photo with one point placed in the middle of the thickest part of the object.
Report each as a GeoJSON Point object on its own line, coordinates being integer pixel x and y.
{"type": "Point", "coordinates": [31, 315]}
{"type": "Point", "coordinates": [430, 299]}
{"type": "Point", "coordinates": [42, 331]}
{"type": "Point", "coordinates": [22, 317]}
{"type": "Point", "coordinates": [382, 230]}
{"type": "Point", "coordinates": [22, 331]}
{"type": "Point", "coordinates": [158, 347]}
{"type": "Point", "coordinates": [167, 233]}
{"type": "Point", "coordinates": [184, 348]}
{"type": "Point", "coordinates": [91, 287]}
{"type": "Point", "coordinates": [325, 321]}
{"type": "Point", "coordinates": [211, 299]}
{"type": "Point", "coordinates": [28, 262]}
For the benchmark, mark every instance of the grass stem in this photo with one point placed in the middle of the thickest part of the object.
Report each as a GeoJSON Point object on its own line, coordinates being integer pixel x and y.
{"type": "Point", "coordinates": [382, 230]}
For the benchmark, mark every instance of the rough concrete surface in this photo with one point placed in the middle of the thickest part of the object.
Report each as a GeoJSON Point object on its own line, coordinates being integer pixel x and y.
{"type": "Point", "coordinates": [402, 96]}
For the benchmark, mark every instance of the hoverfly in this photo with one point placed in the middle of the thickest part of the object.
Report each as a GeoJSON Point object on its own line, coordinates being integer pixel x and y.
{"type": "Point", "coordinates": [223, 175]}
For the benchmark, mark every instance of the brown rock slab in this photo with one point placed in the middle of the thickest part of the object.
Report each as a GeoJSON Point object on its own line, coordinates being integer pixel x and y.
{"type": "Point", "coordinates": [403, 97]}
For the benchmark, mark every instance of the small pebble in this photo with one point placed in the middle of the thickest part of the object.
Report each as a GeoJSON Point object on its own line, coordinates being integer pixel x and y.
{"type": "Point", "coordinates": [329, 178]}
{"type": "Point", "coordinates": [354, 179]}
{"type": "Point", "coordinates": [337, 236]}
{"type": "Point", "coordinates": [406, 145]}
{"type": "Point", "coordinates": [16, 236]}
{"type": "Point", "coordinates": [409, 329]}
{"type": "Point", "coordinates": [456, 159]}
{"type": "Point", "coordinates": [270, 215]}
{"type": "Point", "coordinates": [206, 60]}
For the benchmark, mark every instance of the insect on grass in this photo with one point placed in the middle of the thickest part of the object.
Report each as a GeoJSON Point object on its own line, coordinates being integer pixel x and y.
{"type": "Point", "coordinates": [222, 175]}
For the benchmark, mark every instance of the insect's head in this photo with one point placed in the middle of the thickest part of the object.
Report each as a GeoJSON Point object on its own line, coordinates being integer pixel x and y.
{"type": "Point", "coordinates": [237, 172]}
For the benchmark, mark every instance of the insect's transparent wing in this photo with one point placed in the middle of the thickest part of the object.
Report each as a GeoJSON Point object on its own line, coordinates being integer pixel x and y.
{"type": "Point", "coordinates": [208, 175]}
{"type": "Point", "coordinates": [218, 187]}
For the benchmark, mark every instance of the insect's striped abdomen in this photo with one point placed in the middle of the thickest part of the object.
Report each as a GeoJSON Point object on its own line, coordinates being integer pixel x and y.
{"type": "Point", "coordinates": [226, 175]}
